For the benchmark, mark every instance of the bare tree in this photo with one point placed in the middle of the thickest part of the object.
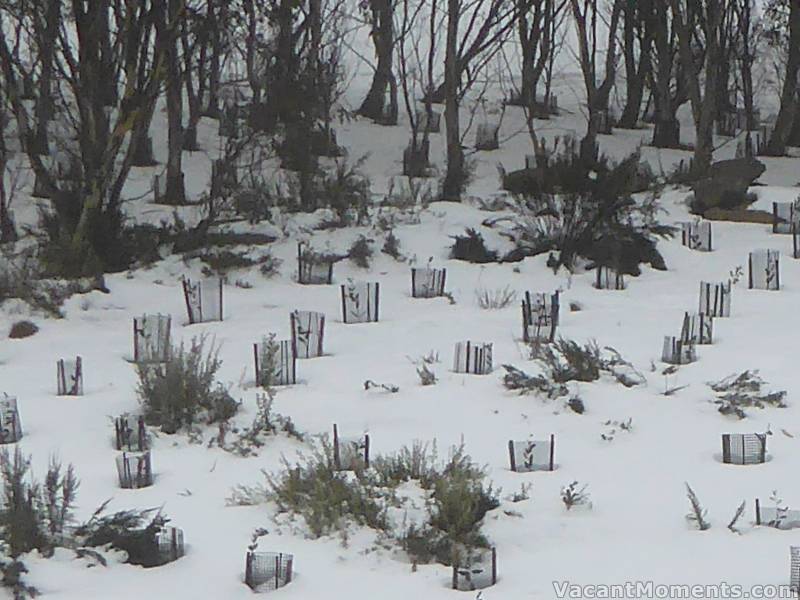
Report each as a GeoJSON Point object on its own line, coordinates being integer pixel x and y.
{"type": "Point", "coordinates": [381, 20]}
{"type": "Point", "coordinates": [790, 95]}
{"type": "Point", "coordinates": [88, 213]}
{"type": "Point", "coordinates": [170, 20]}
{"type": "Point", "coordinates": [637, 43]}
{"type": "Point", "coordinates": [586, 14]}
{"type": "Point", "coordinates": [667, 82]}
{"type": "Point", "coordinates": [702, 84]}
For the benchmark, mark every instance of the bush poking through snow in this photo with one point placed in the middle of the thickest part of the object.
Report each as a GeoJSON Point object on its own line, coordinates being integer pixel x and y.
{"type": "Point", "coordinates": [391, 246]}
{"type": "Point", "coordinates": [575, 403]}
{"type": "Point", "coordinates": [518, 380]}
{"type": "Point", "coordinates": [360, 252]}
{"type": "Point", "coordinates": [496, 299]}
{"type": "Point", "coordinates": [248, 440]}
{"type": "Point", "coordinates": [414, 463]}
{"type": "Point", "coordinates": [22, 329]}
{"type": "Point", "coordinates": [567, 360]}
{"type": "Point", "coordinates": [34, 516]}
{"type": "Point", "coordinates": [327, 499]}
{"type": "Point", "coordinates": [426, 376]}
{"type": "Point", "coordinates": [471, 248]}
{"type": "Point", "coordinates": [698, 513]}
{"type": "Point", "coordinates": [575, 494]}
{"type": "Point", "coordinates": [522, 494]}
{"type": "Point", "coordinates": [183, 392]}
{"type": "Point", "coordinates": [386, 387]}
{"type": "Point", "coordinates": [460, 497]}
{"type": "Point", "coordinates": [737, 392]}
{"type": "Point", "coordinates": [131, 531]}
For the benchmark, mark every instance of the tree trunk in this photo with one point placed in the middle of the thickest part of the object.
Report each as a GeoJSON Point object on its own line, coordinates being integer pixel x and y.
{"type": "Point", "coordinates": [174, 192]}
{"type": "Point", "coordinates": [789, 95]}
{"type": "Point", "coordinates": [374, 104]}
{"type": "Point", "coordinates": [454, 178]}
{"type": "Point", "coordinates": [215, 17]}
{"type": "Point", "coordinates": [636, 70]}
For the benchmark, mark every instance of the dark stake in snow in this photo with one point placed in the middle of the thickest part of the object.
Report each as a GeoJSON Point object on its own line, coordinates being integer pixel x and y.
{"type": "Point", "coordinates": [697, 236]}
{"type": "Point", "coordinates": [475, 572]}
{"type": "Point", "coordinates": [539, 317]}
{"type": "Point", "coordinates": [203, 300]}
{"type": "Point", "coordinates": [764, 270]}
{"type": "Point", "coordinates": [10, 424]}
{"type": "Point", "coordinates": [607, 278]}
{"type": "Point", "coordinates": [715, 299]}
{"type": "Point", "coordinates": [169, 541]}
{"type": "Point", "coordinates": [69, 377]}
{"type": "Point", "coordinates": [313, 269]}
{"type": "Point", "coordinates": [428, 282]}
{"type": "Point", "coordinates": [785, 216]}
{"type": "Point", "coordinates": [151, 339]}
{"type": "Point", "coordinates": [275, 362]}
{"type": "Point", "coordinates": [677, 352]}
{"type": "Point", "coordinates": [130, 434]}
{"type": "Point", "coordinates": [697, 329]}
{"type": "Point", "coordinates": [308, 331]}
{"type": "Point", "coordinates": [350, 454]}
{"type": "Point", "coordinates": [360, 301]}
{"type": "Point", "coordinates": [134, 470]}
{"type": "Point", "coordinates": [473, 358]}
{"type": "Point", "coordinates": [532, 455]}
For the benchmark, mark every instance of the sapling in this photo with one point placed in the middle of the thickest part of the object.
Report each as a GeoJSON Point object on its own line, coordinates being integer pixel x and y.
{"type": "Point", "coordinates": [575, 495]}
{"type": "Point", "coordinates": [389, 387]}
{"type": "Point", "coordinates": [736, 517]}
{"type": "Point", "coordinates": [781, 510]}
{"type": "Point", "coordinates": [670, 390]}
{"type": "Point", "coordinates": [698, 514]}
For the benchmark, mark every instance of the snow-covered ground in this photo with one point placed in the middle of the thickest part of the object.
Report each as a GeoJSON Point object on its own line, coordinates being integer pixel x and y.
{"type": "Point", "coordinates": [636, 529]}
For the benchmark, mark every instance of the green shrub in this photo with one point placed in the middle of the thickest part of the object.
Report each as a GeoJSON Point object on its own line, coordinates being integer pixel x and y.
{"type": "Point", "coordinates": [327, 499]}
{"type": "Point", "coordinates": [391, 246]}
{"type": "Point", "coordinates": [360, 252]}
{"type": "Point", "coordinates": [33, 516]}
{"type": "Point", "coordinates": [472, 248]}
{"type": "Point", "coordinates": [132, 531]}
{"type": "Point", "coordinates": [183, 392]}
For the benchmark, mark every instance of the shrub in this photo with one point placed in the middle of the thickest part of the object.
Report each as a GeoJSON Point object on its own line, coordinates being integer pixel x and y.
{"type": "Point", "coordinates": [518, 381]}
{"type": "Point", "coordinates": [360, 252]}
{"type": "Point", "coordinates": [574, 495]}
{"type": "Point", "coordinates": [471, 248]}
{"type": "Point", "coordinates": [698, 513]}
{"type": "Point", "coordinates": [461, 499]}
{"type": "Point", "coordinates": [131, 531]}
{"type": "Point", "coordinates": [326, 498]}
{"type": "Point", "coordinates": [183, 392]}
{"type": "Point", "coordinates": [415, 463]}
{"type": "Point", "coordinates": [347, 192]}
{"type": "Point", "coordinates": [567, 360]}
{"type": "Point", "coordinates": [22, 329]}
{"type": "Point", "coordinates": [391, 246]}
{"type": "Point", "coordinates": [248, 440]}
{"type": "Point", "coordinates": [496, 299]}
{"type": "Point", "coordinates": [34, 516]}
{"type": "Point", "coordinates": [586, 211]}
{"type": "Point", "coordinates": [737, 392]}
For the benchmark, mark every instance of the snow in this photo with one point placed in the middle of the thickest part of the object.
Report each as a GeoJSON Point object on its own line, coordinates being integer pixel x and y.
{"type": "Point", "coordinates": [635, 530]}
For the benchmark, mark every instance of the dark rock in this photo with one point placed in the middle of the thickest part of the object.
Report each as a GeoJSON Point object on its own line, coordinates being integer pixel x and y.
{"type": "Point", "coordinates": [726, 184]}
